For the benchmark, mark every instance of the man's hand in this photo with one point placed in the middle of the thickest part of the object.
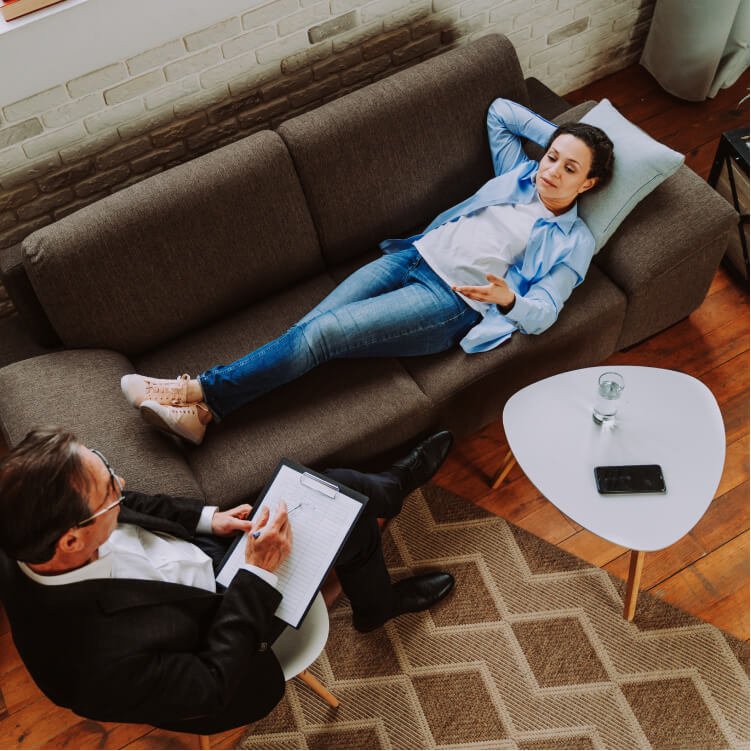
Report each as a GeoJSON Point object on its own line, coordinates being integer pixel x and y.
{"type": "Point", "coordinates": [225, 523]}
{"type": "Point", "coordinates": [497, 292]}
{"type": "Point", "coordinates": [273, 542]}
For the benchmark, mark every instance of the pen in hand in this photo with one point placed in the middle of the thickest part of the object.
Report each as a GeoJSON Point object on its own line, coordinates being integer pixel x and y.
{"type": "Point", "coordinates": [256, 535]}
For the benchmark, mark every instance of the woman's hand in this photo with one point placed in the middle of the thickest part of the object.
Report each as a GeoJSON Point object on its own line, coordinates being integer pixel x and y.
{"type": "Point", "coordinates": [233, 520]}
{"type": "Point", "coordinates": [497, 292]}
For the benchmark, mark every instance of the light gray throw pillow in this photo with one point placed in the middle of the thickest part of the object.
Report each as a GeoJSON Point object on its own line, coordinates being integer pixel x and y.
{"type": "Point", "coordinates": [641, 164]}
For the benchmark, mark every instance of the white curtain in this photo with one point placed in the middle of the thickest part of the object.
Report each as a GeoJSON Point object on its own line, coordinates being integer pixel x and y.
{"type": "Point", "coordinates": [697, 47]}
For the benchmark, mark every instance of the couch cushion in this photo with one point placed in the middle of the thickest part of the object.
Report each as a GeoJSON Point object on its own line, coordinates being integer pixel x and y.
{"type": "Point", "coordinates": [640, 165]}
{"type": "Point", "coordinates": [643, 165]}
{"type": "Point", "coordinates": [177, 250]}
{"type": "Point", "coordinates": [471, 389]}
{"type": "Point", "coordinates": [661, 258]}
{"type": "Point", "coordinates": [342, 412]}
{"type": "Point", "coordinates": [394, 154]}
{"type": "Point", "coordinates": [79, 390]}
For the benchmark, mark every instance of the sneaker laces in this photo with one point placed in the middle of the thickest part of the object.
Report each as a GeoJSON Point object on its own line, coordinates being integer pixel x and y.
{"type": "Point", "coordinates": [189, 410]}
{"type": "Point", "coordinates": [175, 392]}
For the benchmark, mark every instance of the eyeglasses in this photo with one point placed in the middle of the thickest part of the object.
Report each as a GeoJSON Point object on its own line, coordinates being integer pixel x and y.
{"type": "Point", "coordinates": [115, 482]}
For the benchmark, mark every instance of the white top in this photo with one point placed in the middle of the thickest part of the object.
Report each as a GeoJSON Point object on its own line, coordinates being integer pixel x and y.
{"type": "Point", "coordinates": [132, 552]}
{"type": "Point", "coordinates": [664, 417]}
{"type": "Point", "coordinates": [485, 242]}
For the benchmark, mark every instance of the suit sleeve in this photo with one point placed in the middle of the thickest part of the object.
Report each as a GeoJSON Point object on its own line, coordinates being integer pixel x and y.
{"type": "Point", "coordinates": [508, 123]}
{"type": "Point", "coordinates": [182, 511]}
{"type": "Point", "coordinates": [171, 686]}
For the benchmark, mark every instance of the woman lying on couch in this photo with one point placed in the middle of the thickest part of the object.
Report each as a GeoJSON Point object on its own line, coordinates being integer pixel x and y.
{"type": "Point", "coordinates": [506, 258]}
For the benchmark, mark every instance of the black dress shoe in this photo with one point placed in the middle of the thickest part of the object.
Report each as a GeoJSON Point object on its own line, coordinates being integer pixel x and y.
{"type": "Point", "coordinates": [410, 596]}
{"type": "Point", "coordinates": [423, 461]}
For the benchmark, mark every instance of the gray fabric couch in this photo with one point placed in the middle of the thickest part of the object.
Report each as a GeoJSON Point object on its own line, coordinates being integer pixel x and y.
{"type": "Point", "coordinates": [199, 264]}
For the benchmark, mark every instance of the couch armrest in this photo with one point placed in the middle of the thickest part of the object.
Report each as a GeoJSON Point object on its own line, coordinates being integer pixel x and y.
{"type": "Point", "coordinates": [16, 282]}
{"type": "Point", "coordinates": [568, 114]}
{"type": "Point", "coordinates": [545, 101]}
{"type": "Point", "coordinates": [79, 390]}
{"type": "Point", "coordinates": [666, 253]}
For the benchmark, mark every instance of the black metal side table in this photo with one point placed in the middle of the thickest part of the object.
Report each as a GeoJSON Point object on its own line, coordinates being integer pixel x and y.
{"type": "Point", "coordinates": [733, 149]}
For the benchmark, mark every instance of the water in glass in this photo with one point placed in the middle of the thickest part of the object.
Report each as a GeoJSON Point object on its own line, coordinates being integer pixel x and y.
{"type": "Point", "coordinates": [609, 390]}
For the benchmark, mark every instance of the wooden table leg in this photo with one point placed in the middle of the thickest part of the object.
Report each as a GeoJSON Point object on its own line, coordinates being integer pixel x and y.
{"type": "Point", "coordinates": [632, 585]}
{"type": "Point", "coordinates": [508, 465]}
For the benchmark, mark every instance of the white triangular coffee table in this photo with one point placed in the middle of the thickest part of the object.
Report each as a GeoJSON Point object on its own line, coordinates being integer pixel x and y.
{"type": "Point", "coordinates": [664, 417]}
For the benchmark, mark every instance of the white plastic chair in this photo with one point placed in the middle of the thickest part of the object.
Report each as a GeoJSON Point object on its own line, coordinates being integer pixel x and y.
{"type": "Point", "coordinates": [297, 649]}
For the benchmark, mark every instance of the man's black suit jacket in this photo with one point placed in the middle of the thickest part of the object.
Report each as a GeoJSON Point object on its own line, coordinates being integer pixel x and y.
{"type": "Point", "coordinates": [129, 650]}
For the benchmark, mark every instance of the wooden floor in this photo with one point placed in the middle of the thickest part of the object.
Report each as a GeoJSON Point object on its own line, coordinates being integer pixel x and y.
{"type": "Point", "coordinates": [706, 573]}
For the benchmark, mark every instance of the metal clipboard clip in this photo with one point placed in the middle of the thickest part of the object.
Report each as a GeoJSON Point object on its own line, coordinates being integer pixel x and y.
{"type": "Point", "coordinates": [316, 483]}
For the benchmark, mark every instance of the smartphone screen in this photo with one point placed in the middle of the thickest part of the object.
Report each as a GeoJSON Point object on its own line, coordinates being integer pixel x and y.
{"type": "Point", "coordinates": [633, 478]}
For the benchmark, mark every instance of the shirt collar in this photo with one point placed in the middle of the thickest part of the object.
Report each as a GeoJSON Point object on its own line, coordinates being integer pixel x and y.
{"type": "Point", "coordinates": [566, 220]}
{"type": "Point", "coordinates": [101, 568]}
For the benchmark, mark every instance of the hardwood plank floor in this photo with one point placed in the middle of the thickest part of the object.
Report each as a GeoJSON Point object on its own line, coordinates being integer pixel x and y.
{"type": "Point", "coordinates": [705, 573]}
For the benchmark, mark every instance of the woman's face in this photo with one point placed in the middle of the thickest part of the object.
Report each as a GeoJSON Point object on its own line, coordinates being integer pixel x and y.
{"type": "Point", "coordinates": [563, 171]}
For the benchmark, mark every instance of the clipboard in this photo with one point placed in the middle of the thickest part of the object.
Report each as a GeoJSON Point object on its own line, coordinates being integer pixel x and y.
{"type": "Point", "coordinates": [322, 514]}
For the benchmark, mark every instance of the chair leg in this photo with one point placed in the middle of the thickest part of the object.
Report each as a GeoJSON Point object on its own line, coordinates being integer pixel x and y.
{"type": "Point", "coordinates": [508, 464]}
{"type": "Point", "coordinates": [313, 682]}
{"type": "Point", "coordinates": [204, 741]}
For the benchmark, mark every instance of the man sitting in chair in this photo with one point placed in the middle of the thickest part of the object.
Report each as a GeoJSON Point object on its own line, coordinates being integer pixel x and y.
{"type": "Point", "coordinates": [112, 599]}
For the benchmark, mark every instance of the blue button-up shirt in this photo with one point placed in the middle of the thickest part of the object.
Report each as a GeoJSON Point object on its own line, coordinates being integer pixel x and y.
{"type": "Point", "coordinates": [559, 248]}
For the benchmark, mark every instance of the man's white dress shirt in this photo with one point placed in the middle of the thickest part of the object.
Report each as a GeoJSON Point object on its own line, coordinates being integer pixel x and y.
{"type": "Point", "coordinates": [132, 552]}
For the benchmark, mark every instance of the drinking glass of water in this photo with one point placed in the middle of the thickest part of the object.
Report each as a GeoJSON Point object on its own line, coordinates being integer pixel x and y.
{"type": "Point", "coordinates": [609, 388]}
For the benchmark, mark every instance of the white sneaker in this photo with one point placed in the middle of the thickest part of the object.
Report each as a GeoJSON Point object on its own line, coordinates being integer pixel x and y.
{"type": "Point", "coordinates": [182, 421]}
{"type": "Point", "coordinates": [138, 389]}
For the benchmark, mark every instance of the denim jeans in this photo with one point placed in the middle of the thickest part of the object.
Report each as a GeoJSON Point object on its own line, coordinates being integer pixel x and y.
{"type": "Point", "coordinates": [395, 306]}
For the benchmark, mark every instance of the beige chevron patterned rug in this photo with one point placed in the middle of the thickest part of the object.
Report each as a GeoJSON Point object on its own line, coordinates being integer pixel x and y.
{"type": "Point", "coordinates": [529, 651]}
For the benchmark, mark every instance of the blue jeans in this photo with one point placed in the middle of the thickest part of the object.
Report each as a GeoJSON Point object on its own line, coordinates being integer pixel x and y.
{"type": "Point", "coordinates": [395, 306]}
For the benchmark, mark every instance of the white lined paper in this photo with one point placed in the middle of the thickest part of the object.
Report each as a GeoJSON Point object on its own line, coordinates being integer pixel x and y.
{"type": "Point", "coordinates": [319, 526]}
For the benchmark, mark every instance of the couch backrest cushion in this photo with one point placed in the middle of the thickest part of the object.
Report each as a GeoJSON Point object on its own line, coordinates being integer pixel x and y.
{"type": "Point", "coordinates": [389, 157]}
{"type": "Point", "coordinates": [177, 250]}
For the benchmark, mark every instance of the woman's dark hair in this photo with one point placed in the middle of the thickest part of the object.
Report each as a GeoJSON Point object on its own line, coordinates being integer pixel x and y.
{"type": "Point", "coordinates": [42, 481]}
{"type": "Point", "coordinates": [599, 144]}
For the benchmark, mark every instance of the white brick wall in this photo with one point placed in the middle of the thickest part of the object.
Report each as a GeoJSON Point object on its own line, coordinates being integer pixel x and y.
{"type": "Point", "coordinates": [313, 49]}
{"type": "Point", "coordinates": [192, 64]}
{"type": "Point", "coordinates": [112, 116]}
{"type": "Point", "coordinates": [98, 79]}
{"type": "Point", "coordinates": [282, 47]}
{"type": "Point", "coordinates": [201, 101]}
{"type": "Point", "coordinates": [36, 104]}
{"type": "Point", "coordinates": [75, 110]}
{"type": "Point", "coordinates": [140, 85]}
{"type": "Point", "coordinates": [248, 41]}
{"type": "Point", "coordinates": [156, 57]}
{"type": "Point", "coordinates": [216, 33]}
{"type": "Point", "coordinates": [228, 70]}
{"type": "Point", "coordinates": [54, 141]}
{"type": "Point", "coordinates": [168, 94]}
{"type": "Point", "coordinates": [304, 18]}
{"type": "Point", "coordinates": [269, 13]}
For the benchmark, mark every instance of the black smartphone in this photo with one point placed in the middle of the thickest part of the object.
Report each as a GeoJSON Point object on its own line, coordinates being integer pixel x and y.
{"type": "Point", "coordinates": [632, 478]}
